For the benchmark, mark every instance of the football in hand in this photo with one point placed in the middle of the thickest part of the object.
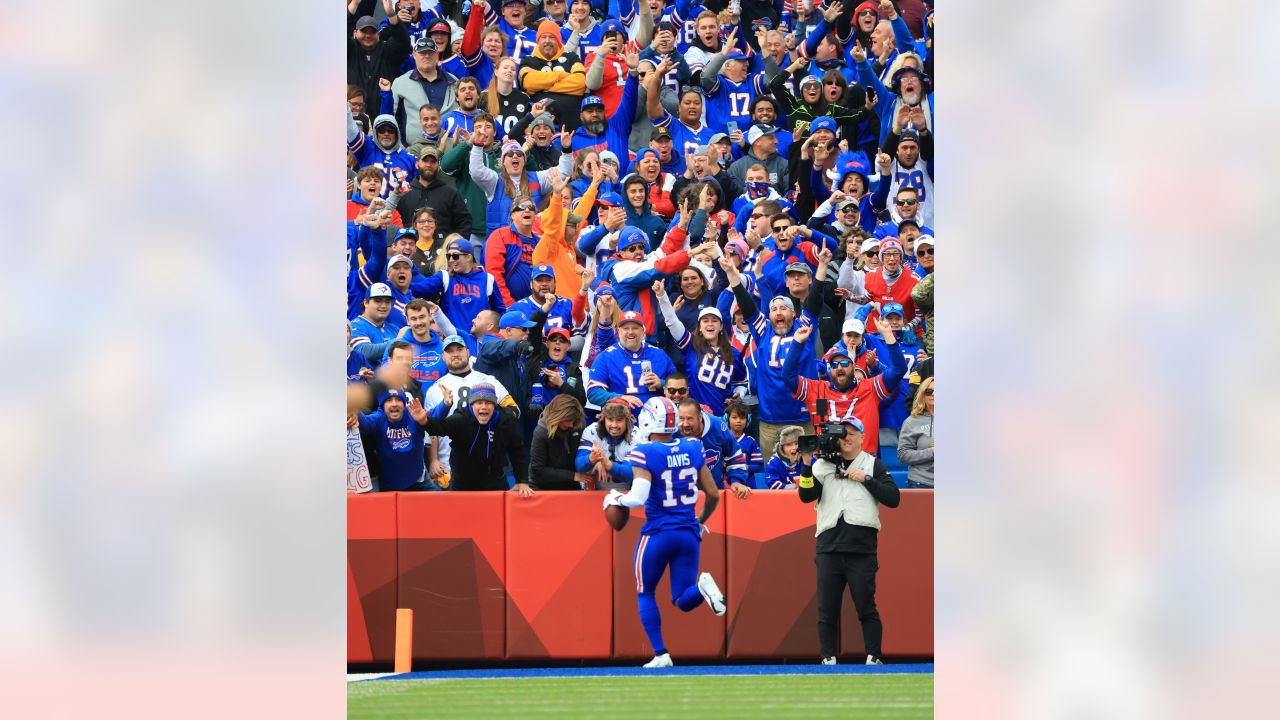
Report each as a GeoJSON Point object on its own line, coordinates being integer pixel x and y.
{"type": "Point", "coordinates": [617, 515]}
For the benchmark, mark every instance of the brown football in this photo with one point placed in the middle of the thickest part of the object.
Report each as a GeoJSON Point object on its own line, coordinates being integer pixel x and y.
{"type": "Point", "coordinates": [617, 516]}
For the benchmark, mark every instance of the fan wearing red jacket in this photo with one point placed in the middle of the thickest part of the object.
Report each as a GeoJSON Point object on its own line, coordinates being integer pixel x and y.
{"type": "Point", "coordinates": [846, 397]}
{"type": "Point", "coordinates": [892, 282]}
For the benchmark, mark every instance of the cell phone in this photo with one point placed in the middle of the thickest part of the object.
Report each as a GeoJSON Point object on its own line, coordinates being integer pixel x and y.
{"type": "Point", "coordinates": [732, 126]}
{"type": "Point", "coordinates": [646, 366]}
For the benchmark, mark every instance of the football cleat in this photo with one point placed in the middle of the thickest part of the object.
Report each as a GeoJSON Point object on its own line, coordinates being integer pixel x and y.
{"type": "Point", "coordinates": [873, 660]}
{"type": "Point", "coordinates": [829, 660]}
{"type": "Point", "coordinates": [660, 661]}
{"type": "Point", "coordinates": [711, 593]}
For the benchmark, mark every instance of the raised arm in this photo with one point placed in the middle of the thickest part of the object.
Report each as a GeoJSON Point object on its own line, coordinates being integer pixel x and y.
{"type": "Point", "coordinates": [669, 316]}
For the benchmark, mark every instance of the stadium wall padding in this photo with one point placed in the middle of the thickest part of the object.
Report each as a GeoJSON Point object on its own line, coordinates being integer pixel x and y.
{"type": "Point", "coordinates": [494, 576]}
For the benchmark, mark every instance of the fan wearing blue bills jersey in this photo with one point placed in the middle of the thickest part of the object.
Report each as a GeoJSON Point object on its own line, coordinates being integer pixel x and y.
{"type": "Point", "coordinates": [731, 90]}
{"type": "Point", "coordinates": [687, 131]}
{"type": "Point", "coordinates": [631, 370]}
{"type": "Point", "coordinates": [715, 368]}
{"type": "Point", "coordinates": [725, 460]}
{"type": "Point", "coordinates": [667, 474]}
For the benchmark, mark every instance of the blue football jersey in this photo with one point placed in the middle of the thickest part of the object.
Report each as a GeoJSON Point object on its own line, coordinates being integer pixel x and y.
{"type": "Point", "coordinates": [711, 381]}
{"type": "Point", "coordinates": [728, 101]}
{"type": "Point", "coordinates": [673, 467]}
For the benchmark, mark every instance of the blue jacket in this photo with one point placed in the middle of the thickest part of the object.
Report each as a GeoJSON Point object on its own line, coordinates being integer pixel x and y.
{"type": "Point", "coordinates": [462, 297]}
{"type": "Point", "coordinates": [360, 278]}
{"type": "Point", "coordinates": [725, 460]}
{"type": "Point", "coordinates": [399, 448]}
{"type": "Point", "coordinates": [617, 129]}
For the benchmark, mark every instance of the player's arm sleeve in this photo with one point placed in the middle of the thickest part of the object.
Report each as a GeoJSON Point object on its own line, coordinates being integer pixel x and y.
{"type": "Point", "coordinates": [882, 487]}
{"type": "Point", "coordinates": [639, 484]}
{"type": "Point", "coordinates": [809, 485]}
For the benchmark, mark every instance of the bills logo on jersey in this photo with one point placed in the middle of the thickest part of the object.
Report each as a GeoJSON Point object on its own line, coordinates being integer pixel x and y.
{"type": "Point", "coordinates": [712, 455]}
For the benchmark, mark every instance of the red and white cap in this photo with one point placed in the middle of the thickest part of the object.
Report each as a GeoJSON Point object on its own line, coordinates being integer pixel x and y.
{"type": "Point", "coordinates": [631, 316]}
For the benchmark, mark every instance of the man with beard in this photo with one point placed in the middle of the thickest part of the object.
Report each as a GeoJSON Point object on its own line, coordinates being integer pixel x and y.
{"type": "Point", "coordinates": [426, 84]}
{"type": "Point", "coordinates": [908, 101]}
{"type": "Point", "coordinates": [542, 287]}
{"type": "Point", "coordinates": [598, 133]}
{"type": "Point", "coordinates": [688, 132]}
{"type": "Point", "coordinates": [429, 190]}
{"type": "Point", "coordinates": [727, 463]}
{"type": "Point", "coordinates": [459, 380]}
{"type": "Point", "coordinates": [764, 114]}
{"type": "Point", "coordinates": [551, 73]}
{"type": "Point", "coordinates": [467, 95]}
{"type": "Point", "coordinates": [631, 370]}
{"type": "Point", "coordinates": [381, 150]}
{"type": "Point", "coordinates": [784, 247]}
{"type": "Point", "coordinates": [373, 55]}
{"type": "Point", "coordinates": [399, 442]}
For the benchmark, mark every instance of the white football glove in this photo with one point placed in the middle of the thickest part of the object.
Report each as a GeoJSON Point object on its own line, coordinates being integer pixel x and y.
{"type": "Point", "coordinates": [613, 498]}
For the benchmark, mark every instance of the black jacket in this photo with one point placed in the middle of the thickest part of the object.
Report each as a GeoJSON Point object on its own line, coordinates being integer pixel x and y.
{"type": "Point", "coordinates": [506, 360]}
{"type": "Point", "coordinates": [479, 455]}
{"type": "Point", "coordinates": [452, 215]}
{"type": "Point", "coordinates": [551, 462]}
{"type": "Point", "coordinates": [384, 62]}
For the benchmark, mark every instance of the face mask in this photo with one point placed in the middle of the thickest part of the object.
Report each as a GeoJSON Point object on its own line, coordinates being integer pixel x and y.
{"type": "Point", "coordinates": [757, 189]}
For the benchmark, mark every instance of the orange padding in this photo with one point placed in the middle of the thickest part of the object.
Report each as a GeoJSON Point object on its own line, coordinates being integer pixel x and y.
{"type": "Point", "coordinates": [494, 576]}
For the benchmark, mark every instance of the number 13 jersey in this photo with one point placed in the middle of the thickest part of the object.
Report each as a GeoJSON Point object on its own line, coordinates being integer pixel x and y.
{"type": "Point", "coordinates": [673, 468]}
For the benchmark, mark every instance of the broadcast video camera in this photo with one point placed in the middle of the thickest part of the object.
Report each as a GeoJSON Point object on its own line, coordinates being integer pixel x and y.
{"type": "Point", "coordinates": [825, 443]}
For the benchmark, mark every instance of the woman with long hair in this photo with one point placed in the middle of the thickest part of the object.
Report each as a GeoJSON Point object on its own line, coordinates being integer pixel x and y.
{"type": "Point", "coordinates": [605, 446]}
{"type": "Point", "coordinates": [915, 439]}
{"type": "Point", "coordinates": [715, 369]}
{"type": "Point", "coordinates": [555, 444]}
{"type": "Point", "coordinates": [694, 294]}
{"type": "Point", "coordinates": [506, 102]}
{"type": "Point", "coordinates": [604, 318]}
{"type": "Point", "coordinates": [428, 256]}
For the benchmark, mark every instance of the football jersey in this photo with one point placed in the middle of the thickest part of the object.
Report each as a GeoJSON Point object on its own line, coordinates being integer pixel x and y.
{"type": "Point", "coordinates": [751, 449]}
{"type": "Point", "coordinates": [725, 459]}
{"type": "Point", "coordinates": [778, 405]}
{"type": "Point", "coordinates": [779, 475]}
{"type": "Point", "coordinates": [618, 370]}
{"type": "Point", "coordinates": [428, 360]}
{"type": "Point", "coordinates": [615, 79]}
{"type": "Point", "coordinates": [684, 139]}
{"type": "Point", "coordinates": [673, 468]}
{"type": "Point", "coordinates": [711, 381]}
{"type": "Point", "coordinates": [728, 101]}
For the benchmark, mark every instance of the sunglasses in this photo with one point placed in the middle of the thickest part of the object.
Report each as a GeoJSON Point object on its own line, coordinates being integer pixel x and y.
{"type": "Point", "coordinates": [832, 83]}
{"type": "Point", "coordinates": [455, 256]}
{"type": "Point", "coordinates": [780, 228]}
{"type": "Point", "coordinates": [929, 392]}
{"type": "Point", "coordinates": [676, 391]}
{"type": "Point", "coordinates": [871, 253]}
{"type": "Point", "coordinates": [839, 363]}
{"type": "Point", "coordinates": [525, 207]}
{"type": "Point", "coordinates": [908, 203]}
{"type": "Point", "coordinates": [866, 12]}
{"type": "Point", "coordinates": [849, 208]}
{"type": "Point", "coordinates": [923, 251]}
{"type": "Point", "coordinates": [756, 216]}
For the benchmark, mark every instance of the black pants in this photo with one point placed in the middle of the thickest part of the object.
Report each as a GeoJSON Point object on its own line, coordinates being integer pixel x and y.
{"type": "Point", "coordinates": [858, 570]}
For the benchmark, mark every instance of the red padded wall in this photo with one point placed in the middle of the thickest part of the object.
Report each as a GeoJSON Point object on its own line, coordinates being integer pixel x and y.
{"type": "Point", "coordinates": [372, 577]}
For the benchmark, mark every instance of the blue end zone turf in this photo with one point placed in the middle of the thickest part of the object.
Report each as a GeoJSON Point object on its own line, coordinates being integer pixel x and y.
{"type": "Point", "coordinates": [815, 669]}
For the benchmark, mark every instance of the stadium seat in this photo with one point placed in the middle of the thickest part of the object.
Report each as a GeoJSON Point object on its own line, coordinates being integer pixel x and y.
{"type": "Point", "coordinates": [899, 477]}
{"type": "Point", "coordinates": [889, 454]}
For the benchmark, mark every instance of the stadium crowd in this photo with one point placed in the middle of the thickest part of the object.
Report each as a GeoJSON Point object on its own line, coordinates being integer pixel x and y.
{"type": "Point", "coordinates": [556, 212]}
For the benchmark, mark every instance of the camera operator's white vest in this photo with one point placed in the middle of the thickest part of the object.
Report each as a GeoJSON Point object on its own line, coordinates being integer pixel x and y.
{"type": "Point", "coordinates": [843, 496]}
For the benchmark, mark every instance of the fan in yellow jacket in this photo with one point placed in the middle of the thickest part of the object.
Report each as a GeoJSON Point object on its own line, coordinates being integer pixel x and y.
{"type": "Point", "coordinates": [550, 73]}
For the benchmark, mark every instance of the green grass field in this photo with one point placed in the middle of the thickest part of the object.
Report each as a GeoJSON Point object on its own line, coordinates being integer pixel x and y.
{"type": "Point", "coordinates": [763, 696]}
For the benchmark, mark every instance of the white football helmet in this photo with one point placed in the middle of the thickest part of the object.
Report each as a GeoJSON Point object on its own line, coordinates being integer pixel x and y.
{"type": "Point", "coordinates": [658, 415]}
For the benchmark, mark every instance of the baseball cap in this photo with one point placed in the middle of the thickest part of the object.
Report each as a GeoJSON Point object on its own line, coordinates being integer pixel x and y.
{"type": "Point", "coordinates": [544, 119]}
{"type": "Point", "coordinates": [431, 150]}
{"type": "Point", "coordinates": [888, 245]}
{"type": "Point", "coordinates": [799, 267]}
{"type": "Point", "coordinates": [379, 290]}
{"type": "Point", "coordinates": [629, 236]}
{"type": "Point", "coordinates": [543, 271]}
{"type": "Point", "coordinates": [846, 202]}
{"type": "Point", "coordinates": [590, 100]}
{"type": "Point", "coordinates": [850, 421]}
{"type": "Point", "coordinates": [612, 25]}
{"type": "Point", "coordinates": [646, 151]}
{"type": "Point", "coordinates": [611, 199]}
{"type": "Point", "coordinates": [837, 349]}
{"type": "Point", "coordinates": [463, 246]}
{"type": "Point", "coordinates": [604, 288]}
{"type": "Point", "coordinates": [440, 25]}
{"type": "Point", "coordinates": [909, 134]}
{"type": "Point", "coordinates": [513, 2]}
{"type": "Point", "coordinates": [367, 22]}
{"type": "Point", "coordinates": [514, 318]}
{"type": "Point", "coordinates": [717, 138]}
{"type": "Point", "coordinates": [609, 156]}
{"type": "Point", "coordinates": [399, 259]}
{"type": "Point", "coordinates": [661, 132]}
{"type": "Point", "coordinates": [630, 316]}
{"type": "Point", "coordinates": [424, 44]}
{"type": "Point", "coordinates": [782, 299]}
{"type": "Point", "coordinates": [558, 332]}
{"type": "Point", "coordinates": [758, 131]}
{"type": "Point", "coordinates": [908, 221]}
{"type": "Point", "coordinates": [823, 123]}
{"type": "Point", "coordinates": [870, 244]}
{"type": "Point", "coordinates": [735, 54]}
{"type": "Point", "coordinates": [481, 392]}
{"type": "Point", "coordinates": [853, 325]}
{"type": "Point", "coordinates": [892, 309]}
{"type": "Point", "coordinates": [710, 311]}
{"type": "Point", "coordinates": [925, 240]}
{"type": "Point", "coordinates": [401, 233]}
{"type": "Point", "coordinates": [453, 340]}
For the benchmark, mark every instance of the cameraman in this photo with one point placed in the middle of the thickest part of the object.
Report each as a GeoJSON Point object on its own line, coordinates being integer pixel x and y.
{"type": "Point", "coordinates": [848, 487]}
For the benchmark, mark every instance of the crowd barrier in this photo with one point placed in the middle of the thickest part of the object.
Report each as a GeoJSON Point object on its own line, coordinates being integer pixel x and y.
{"type": "Point", "coordinates": [492, 576]}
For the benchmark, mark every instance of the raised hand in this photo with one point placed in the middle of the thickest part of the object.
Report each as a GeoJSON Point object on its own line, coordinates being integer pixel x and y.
{"type": "Point", "coordinates": [832, 11]}
{"type": "Point", "coordinates": [859, 53]}
{"type": "Point", "coordinates": [883, 162]}
{"type": "Point", "coordinates": [446, 395]}
{"type": "Point", "coordinates": [916, 116]}
{"type": "Point", "coordinates": [659, 289]}
{"type": "Point", "coordinates": [902, 118]}
{"type": "Point", "coordinates": [887, 10]}
{"type": "Point", "coordinates": [803, 333]}
{"type": "Point", "coordinates": [384, 84]}
{"type": "Point", "coordinates": [566, 139]}
{"type": "Point", "coordinates": [632, 56]}
{"type": "Point", "coordinates": [557, 180]}
{"type": "Point", "coordinates": [539, 108]}
{"type": "Point", "coordinates": [824, 255]}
